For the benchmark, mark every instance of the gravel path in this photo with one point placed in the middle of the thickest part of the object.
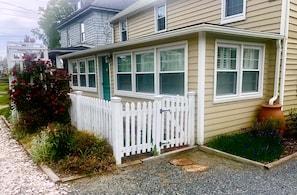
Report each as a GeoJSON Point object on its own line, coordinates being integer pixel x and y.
{"type": "Point", "coordinates": [18, 173]}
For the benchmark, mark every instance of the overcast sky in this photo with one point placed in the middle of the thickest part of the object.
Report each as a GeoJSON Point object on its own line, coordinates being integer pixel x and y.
{"type": "Point", "coordinates": [17, 18]}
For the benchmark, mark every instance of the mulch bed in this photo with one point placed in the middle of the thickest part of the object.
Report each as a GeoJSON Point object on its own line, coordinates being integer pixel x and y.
{"type": "Point", "coordinates": [290, 146]}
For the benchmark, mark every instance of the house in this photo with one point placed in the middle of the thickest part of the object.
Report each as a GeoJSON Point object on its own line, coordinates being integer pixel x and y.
{"type": "Point", "coordinates": [235, 55]}
{"type": "Point", "coordinates": [88, 26]}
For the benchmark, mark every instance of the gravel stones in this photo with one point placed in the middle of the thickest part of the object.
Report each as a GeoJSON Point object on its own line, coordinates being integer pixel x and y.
{"type": "Point", "coordinates": [18, 173]}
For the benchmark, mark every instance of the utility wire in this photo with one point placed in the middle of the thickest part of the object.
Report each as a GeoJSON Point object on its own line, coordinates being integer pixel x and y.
{"type": "Point", "coordinates": [19, 7]}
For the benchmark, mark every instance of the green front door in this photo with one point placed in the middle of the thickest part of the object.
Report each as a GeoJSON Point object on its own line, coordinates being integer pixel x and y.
{"type": "Point", "coordinates": [105, 78]}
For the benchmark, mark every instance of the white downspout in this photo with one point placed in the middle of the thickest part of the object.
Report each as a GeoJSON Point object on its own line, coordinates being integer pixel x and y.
{"type": "Point", "coordinates": [276, 76]}
{"type": "Point", "coordinates": [285, 32]}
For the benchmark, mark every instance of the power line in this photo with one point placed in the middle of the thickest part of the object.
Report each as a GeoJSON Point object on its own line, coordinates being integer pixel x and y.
{"type": "Point", "coordinates": [18, 15]}
{"type": "Point", "coordinates": [19, 7]}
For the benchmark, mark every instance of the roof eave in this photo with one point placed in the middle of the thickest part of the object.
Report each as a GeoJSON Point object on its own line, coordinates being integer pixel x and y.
{"type": "Point", "coordinates": [180, 32]}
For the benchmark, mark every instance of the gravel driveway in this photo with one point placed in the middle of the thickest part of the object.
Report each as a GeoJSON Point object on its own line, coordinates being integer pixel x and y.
{"type": "Point", "coordinates": [223, 177]}
{"type": "Point", "coordinates": [19, 175]}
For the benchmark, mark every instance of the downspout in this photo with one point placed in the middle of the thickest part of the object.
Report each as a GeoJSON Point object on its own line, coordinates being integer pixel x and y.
{"type": "Point", "coordinates": [285, 32]}
{"type": "Point", "coordinates": [277, 69]}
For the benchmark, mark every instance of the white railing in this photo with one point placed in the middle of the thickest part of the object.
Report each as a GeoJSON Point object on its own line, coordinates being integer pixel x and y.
{"type": "Point", "coordinates": [135, 128]}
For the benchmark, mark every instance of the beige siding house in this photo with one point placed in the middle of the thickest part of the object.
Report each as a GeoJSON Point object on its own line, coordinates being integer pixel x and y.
{"type": "Point", "coordinates": [235, 55]}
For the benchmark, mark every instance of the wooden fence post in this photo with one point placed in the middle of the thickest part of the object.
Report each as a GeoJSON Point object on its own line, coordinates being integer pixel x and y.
{"type": "Point", "coordinates": [191, 122]}
{"type": "Point", "coordinates": [157, 128]}
{"type": "Point", "coordinates": [117, 128]}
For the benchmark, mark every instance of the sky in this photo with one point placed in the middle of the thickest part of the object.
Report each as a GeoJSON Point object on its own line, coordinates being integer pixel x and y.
{"type": "Point", "coordinates": [17, 18]}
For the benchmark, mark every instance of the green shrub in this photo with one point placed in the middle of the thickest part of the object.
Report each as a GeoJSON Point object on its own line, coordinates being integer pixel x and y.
{"type": "Point", "coordinates": [269, 127]}
{"type": "Point", "coordinates": [73, 151]}
{"type": "Point", "coordinates": [41, 148]}
{"type": "Point", "coordinates": [61, 137]}
{"type": "Point", "coordinates": [291, 125]}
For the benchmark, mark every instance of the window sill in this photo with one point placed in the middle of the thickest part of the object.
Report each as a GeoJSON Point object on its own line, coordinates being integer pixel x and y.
{"type": "Point", "coordinates": [234, 99]}
{"type": "Point", "coordinates": [88, 89]}
{"type": "Point", "coordinates": [231, 19]}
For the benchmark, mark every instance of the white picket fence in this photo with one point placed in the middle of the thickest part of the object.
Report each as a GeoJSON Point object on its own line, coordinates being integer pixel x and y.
{"type": "Point", "coordinates": [136, 128]}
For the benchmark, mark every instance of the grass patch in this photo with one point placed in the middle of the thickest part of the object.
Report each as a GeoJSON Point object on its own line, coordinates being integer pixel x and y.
{"type": "Point", "coordinates": [262, 143]}
{"type": "Point", "coordinates": [5, 112]}
{"type": "Point", "coordinates": [257, 148]}
{"type": "Point", "coordinates": [4, 99]}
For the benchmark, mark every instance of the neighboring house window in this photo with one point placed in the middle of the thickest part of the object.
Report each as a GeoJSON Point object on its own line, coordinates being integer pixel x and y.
{"type": "Point", "coordinates": [156, 71]}
{"type": "Point", "coordinates": [238, 72]}
{"type": "Point", "coordinates": [160, 17]}
{"type": "Point", "coordinates": [233, 10]}
{"type": "Point", "coordinates": [82, 32]}
{"type": "Point", "coordinates": [68, 38]}
{"type": "Point", "coordinates": [124, 28]}
{"type": "Point", "coordinates": [83, 74]}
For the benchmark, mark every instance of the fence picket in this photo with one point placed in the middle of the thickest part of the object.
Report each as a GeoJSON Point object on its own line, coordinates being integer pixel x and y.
{"type": "Point", "coordinates": [140, 127]}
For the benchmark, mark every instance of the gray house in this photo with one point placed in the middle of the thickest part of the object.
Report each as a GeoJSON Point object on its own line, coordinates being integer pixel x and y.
{"type": "Point", "coordinates": [88, 26]}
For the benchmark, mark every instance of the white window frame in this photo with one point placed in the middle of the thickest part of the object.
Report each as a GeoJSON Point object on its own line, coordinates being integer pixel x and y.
{"type": "Point", "coordinates": [239, 95]}
{"type": "Point", "coordinates": [156, 17]}
{"type": "Point", "coordinates": [121, 29]}
{"type": "Point", "coordinates": [79, 87]}
{"type": "Point", "coordinates": [156, 50]}
{"type": "Point", "coordinates": [234, 18]}
{"type": "Point", "coordinates": [82, 32]}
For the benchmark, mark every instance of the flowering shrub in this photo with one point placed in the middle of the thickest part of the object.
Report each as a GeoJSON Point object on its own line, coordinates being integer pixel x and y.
{"type": "Point", "coordinates": [40, 94]}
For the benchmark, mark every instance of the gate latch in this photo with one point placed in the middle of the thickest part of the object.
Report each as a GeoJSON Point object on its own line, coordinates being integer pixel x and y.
{"type": "Point", "coordinates": [164, 143]}
{"type": "Point", "coordinates": [161, 110]}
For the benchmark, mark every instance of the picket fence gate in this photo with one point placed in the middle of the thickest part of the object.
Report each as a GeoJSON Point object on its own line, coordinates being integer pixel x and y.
{"type": "Point", "coordinates": [136, 128]}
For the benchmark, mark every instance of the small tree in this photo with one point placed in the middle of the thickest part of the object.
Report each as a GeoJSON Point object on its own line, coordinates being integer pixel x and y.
{"type": "Point", "coordinates": [40, 94]}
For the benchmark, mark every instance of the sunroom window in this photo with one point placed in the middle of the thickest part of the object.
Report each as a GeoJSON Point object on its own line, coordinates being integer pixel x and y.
{"type": "Point", "coordinates": [172, 71]}
{"type": "Point", "coordinates": [156, 71]}
{"type": "Point", "coordinates": [124, 74]}
{"type": "Point", "coordinates": [239, 69]}
{"type": "Point", "coordinates": [233, 10]}
{"type": "Point", "coordinates": [83, 73]}
{"type": "Point", "coordinates": [145, 72]}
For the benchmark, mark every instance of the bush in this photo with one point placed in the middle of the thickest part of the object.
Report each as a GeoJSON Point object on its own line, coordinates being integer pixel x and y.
{"type": "Point", "coordinates": [43, 89]}
{"type": "Point", "coordinates": [41, 148]}
{"type": "Point", "coordinates": [74, 151]}
{"type": "Point", "coordinates": [269, 127]}
{"type": "Point", "coordinates": [292, 123]}
{"type": "Point", "coordinates": [61, 137]}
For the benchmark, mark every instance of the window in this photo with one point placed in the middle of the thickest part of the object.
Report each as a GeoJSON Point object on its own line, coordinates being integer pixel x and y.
{"type": "Point", "coordinates": [91, 73]}
{"type": "Point", "coordinates": [124, 73]}
{"type": "Point", "coordinates": [233, 10]}
{"type": "Point", "coordinates": [68, 38]}
{"type": "Point", "coordinates": [172, 69]}
{"type": "Point", "coordinates": [151, 72]}
{"type": "Point", "coordinates": [145, 72]}
{"type": "Point", "coordinates": [123, 26]}
{"type": "Point", "coordinates": [160, 17]}
{"type": "Point", "coordinates": [239, 69]}
{"type": "Point", "coordinates": [83, 74]}
{"type": "Point", "coordinates": [82, 32]}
